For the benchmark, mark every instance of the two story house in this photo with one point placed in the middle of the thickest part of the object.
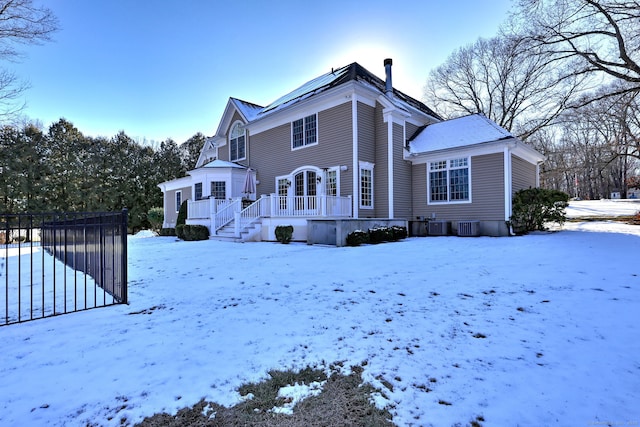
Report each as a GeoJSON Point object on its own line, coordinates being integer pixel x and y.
{"type": "Point", "coordinates": [348, 149]}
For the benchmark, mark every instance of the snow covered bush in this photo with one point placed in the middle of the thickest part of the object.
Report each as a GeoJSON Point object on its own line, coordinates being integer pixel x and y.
{"type": "Point", "coordinates": [284, 233]}
{"type": "Point", "coordinates": [380, 234]}
{"type": "Point", "coordinates": [357, 238]}
{"type": "Point", "coordinates": [534, 207]}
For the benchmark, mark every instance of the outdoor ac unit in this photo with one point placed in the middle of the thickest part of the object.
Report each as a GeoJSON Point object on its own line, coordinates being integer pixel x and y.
{"type": "Point", "coordinates": [469, 228]}
{"type": "Point", "coordinates": [438, 228]}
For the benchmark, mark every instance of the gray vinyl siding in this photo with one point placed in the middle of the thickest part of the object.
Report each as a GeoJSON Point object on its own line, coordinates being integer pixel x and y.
{"type": "Point", "coordinates": [523, 174]}
{"type": "Point", "coordinates": [367, 117]}
{"type": "Point", "coordinates": [380, 171]}
{"type": "Point", "coordinates": [487, 186]}
{"type": "Point", "coordinates": [401, 176]}
{"type": "Point", "coordinates": [170, 203]}
{"type": "Point", "coordinates": [272, 156]}
{"type": "Point", "coordinates": [411, 129]}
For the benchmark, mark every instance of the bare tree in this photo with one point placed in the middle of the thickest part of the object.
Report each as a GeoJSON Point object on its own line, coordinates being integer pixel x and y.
{"type": "Point", "coordinates": [21, 23]}
{"type": "Point", "coordinates": [505, 78]}
{"type": "Point", "coordinates": [603, 35]}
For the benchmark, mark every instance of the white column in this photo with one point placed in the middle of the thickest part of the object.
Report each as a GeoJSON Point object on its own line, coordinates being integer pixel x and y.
{"type": "Point", "coordinates": [355, 167]}
{"type": "Point", "coordinates": [507, 184]}
{"type": "Point", "coordinates": [390, 164]}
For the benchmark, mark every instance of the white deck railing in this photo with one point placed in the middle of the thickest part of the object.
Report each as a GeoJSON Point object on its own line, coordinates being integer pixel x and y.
{"type": "Point", "coordinates": [222, 212]}
{"type": "Point", "coordinates": [311, 206]}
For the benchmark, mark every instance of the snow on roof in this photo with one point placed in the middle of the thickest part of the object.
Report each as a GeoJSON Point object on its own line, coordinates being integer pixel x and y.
{"type": "Point", "coordinates": [463, 131]}
{"type": "Point", "coordinates": [249, 110]}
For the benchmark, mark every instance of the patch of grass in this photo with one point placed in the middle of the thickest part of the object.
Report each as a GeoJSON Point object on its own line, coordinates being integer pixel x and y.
{"type": "Point", "coordinates": [344, 400]}
{"type": "Point", "coordinates": [265, 393]}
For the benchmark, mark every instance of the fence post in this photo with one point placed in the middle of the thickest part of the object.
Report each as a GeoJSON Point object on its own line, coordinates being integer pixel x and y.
{"type": "Point", "coordinates": [125, 293]}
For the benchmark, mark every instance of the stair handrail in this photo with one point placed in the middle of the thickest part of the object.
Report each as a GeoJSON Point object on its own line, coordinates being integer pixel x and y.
{"type": "Point", "coordinates": [251, 213]}
{"type": "Point", "coordinates": [225, 215]}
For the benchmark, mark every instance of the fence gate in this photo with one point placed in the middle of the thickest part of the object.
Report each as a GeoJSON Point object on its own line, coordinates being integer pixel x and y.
{"type": "Point", "coordinates": [56, 263]}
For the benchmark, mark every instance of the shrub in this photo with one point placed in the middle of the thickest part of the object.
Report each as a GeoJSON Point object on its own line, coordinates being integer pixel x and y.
{"type": "Point", "coordinates": [182, 214]}
{"type": "Point", "coordinates": [167, 232]}
{"type": "Point", "coordinates": [533, 207]}
{"type": "Point", "coordinates": [284, 233]}
{"type": "Point", "coordinates": [357, 238]}
{"type": "Point", "coordinates": [192, 232]}
{"type": "Point", "coordinates": [180, 231]}
{"type": "Point", "coordinates": [398, 232]}
{"type": "Point", "coordinates": [380, 234]}
{"type": "Point", "coordinates": [155, 216]}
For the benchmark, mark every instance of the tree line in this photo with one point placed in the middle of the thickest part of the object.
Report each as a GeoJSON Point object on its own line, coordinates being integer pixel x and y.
{"type": "Point", "coordinates": [564, 76]}
{"type": "Point", "coordinates": [62, 170]}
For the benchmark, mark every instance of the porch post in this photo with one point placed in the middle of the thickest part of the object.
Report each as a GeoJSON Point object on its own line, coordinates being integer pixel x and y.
{"type": "Point", "coordinates": [236, 224]}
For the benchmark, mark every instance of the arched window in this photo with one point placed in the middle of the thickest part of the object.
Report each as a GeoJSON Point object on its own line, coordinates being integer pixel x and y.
{"type": "Point", "coordinates": [237, 143]}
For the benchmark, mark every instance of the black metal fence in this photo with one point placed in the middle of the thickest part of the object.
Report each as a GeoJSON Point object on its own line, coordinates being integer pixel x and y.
{"type": "Point", "coordinates": [52, 264]}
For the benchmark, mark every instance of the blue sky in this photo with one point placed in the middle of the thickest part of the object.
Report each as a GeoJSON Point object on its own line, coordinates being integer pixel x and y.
{"type": "Point", "coordinates": [165, 69]}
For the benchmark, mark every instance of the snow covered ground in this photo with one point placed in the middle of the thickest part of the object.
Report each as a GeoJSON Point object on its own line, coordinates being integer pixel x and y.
{"type": "Point", "coordinates": [534, 330]}
{"type": "Point", "coordinates": [595, 208]}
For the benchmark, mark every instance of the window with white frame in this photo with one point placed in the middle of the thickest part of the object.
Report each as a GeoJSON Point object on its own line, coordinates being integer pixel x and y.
{"type": "Point", "coordinates": [448, 181]}
{"type": "Point", "coordinates": [366, 185]}
{"type": "Point", "coordinates": [219, 189]}
{"type": "Point", "coordinates": [283, 189]}
{"type": "Point", "coordinates": [304, 132]}
{"type": "Point", "coordinates": [237, 143]}
{"type": "Point", "coordinates": [331, 182]}
{"type": "Point", "coordinates": [178, 200]}
{"type": "Point", "coordinates": [197, 190]}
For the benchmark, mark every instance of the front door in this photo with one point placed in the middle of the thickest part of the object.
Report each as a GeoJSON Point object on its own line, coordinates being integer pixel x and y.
{"type": "Point", "coordinates": [305, 191]}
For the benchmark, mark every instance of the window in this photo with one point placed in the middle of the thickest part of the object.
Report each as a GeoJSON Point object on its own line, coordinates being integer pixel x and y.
{"type": "Point", "coordinates": [178, 200]}
{"type": "Point", "coordinates": [366, 185]}
{"type": "Point", "coordinates": [237, 145]}
{"type": "Point", "coordinates": [304, 132]}
{"type": "Point", "coordinates": [198, 190]}
{"type": "Point", "coordinates": [449, 181]}
{"type": "Point", "coordinates": [283, 188]}
{"type": "Point", "coordinates": [331, 177]}
{"type": "Point", "coordinates": [218, 189]}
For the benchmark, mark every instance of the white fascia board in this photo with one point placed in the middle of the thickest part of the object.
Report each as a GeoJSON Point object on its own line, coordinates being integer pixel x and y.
{"type": "Point", "coordinates": [528, 153]}
{"type": "Point", "coordinates": [175, 184]}
{"type": "Point", "coordinates": [225, 120]}
{"type": "Point", "coordinates": [466, 151]}
{"type": "Point", "coordinates": [312, 105]}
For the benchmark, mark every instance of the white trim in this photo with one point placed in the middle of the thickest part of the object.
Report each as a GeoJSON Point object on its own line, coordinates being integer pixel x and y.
{"type": "Point", "coordinates": [356, 172]}
{"type": "Point", "coordinates": [508, 183]}
{"type": "Point", "coordinates": [304, 132]}
{"type": "Point", "coordinates": [390, 167]}
{"type": "Point", "coordinates": [448, 169]}
{"type": "Point", "coordinates": [176, 200]}
{"type": "Point", "coordinates": [366, 166]}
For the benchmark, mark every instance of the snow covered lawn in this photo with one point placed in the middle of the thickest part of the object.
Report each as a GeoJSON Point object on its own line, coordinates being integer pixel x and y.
{"type": "Point", "coordinates": [534, 330]}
